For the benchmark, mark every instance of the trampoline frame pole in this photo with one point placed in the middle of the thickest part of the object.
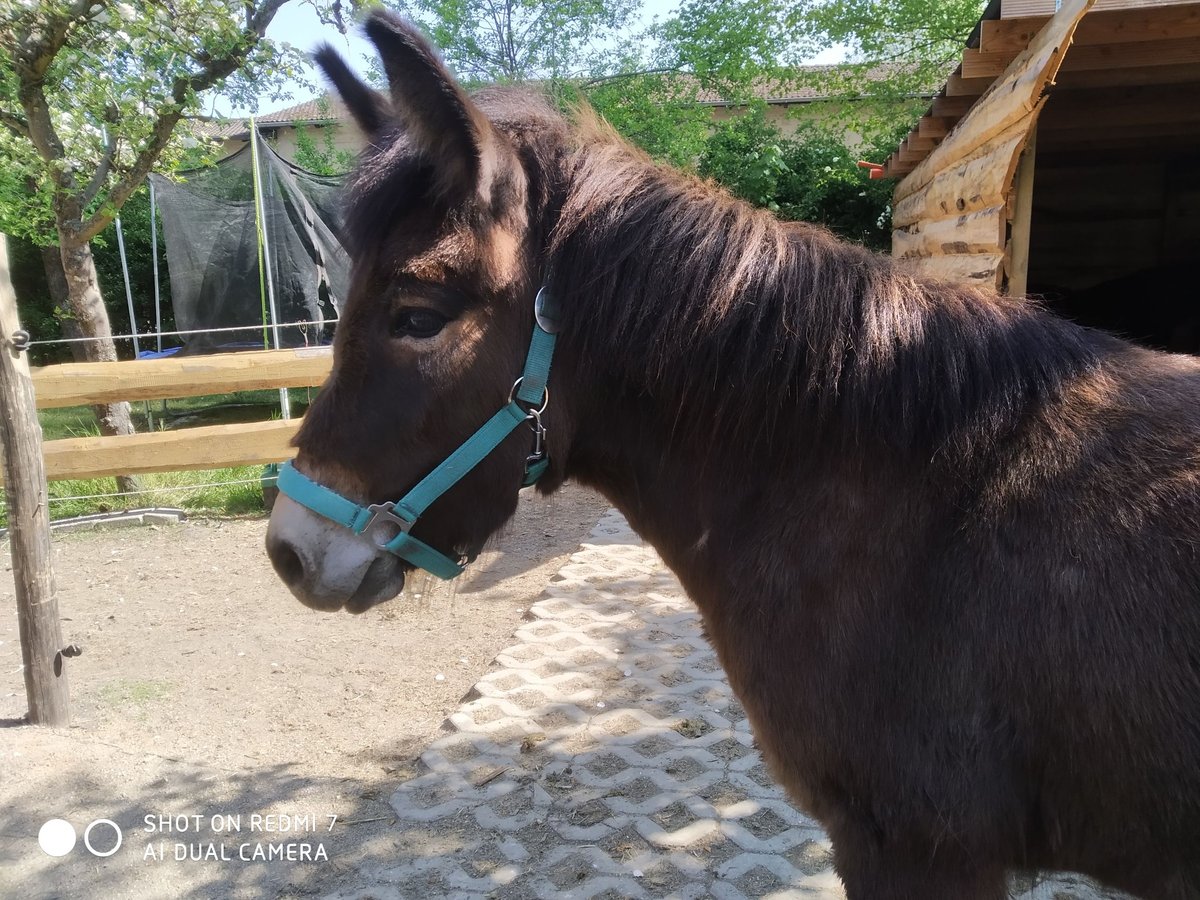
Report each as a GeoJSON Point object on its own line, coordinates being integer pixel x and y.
{"type": "Point", "coordinates": [154, 267]}
{"type": "Point", "coordinates": [264, 256]}
{"type": "Point", "coordinates": [133, 325]}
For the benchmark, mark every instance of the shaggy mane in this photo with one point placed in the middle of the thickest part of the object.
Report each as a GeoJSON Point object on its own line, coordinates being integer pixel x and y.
{"type": "Point", "coordinates": [743, 317]}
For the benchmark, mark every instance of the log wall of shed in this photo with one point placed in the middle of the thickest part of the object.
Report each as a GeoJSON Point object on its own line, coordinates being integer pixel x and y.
{"type": "Point", "coordinates": [951, 214]}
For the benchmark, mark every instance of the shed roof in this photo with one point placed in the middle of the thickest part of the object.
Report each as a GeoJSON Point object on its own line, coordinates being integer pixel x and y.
{"type": "Point", "coordinates": [1118, 43]}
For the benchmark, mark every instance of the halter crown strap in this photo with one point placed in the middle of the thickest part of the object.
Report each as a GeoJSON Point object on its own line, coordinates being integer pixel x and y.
{"type": "Point", "coordinates": [529, 390]}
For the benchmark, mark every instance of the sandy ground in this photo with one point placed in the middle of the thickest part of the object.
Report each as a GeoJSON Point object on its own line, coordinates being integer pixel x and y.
{"type": "Point", "coordinates": [211, 711]}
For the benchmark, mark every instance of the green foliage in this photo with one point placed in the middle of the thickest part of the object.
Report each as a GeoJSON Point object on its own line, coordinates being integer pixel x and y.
{"type": "Point", "coordinates": [42, 316]}
{"type": "Point", "coordinates": [486, 42]}
{"type": "Point", "coordinates": [648, 86]}
{"type": "Point", "coordinates": [823, 184]}
{"type": "Point", "coordinates": [905, 30]}
{"type": "Point", "coordinates": [655, 112]}
{"type": "Point", "coordinates": [325, 159]}
{"type": "Point", "coordinates": [728, 46]}
{"type": "Point", "coordinates": [811, 176]}
{"type": "Point", "coordinates": [899, 52]}
{"type": "Point", "coordinates": [121, 70]}
{"type": "Point", "coordinates": [746, 155]}
{"type": "Point", "coordinates": [645, 83]}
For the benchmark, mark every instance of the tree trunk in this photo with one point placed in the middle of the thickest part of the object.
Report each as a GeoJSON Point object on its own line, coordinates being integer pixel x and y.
{"type": "Point", "coordinates": [86, 306]}
{"type": "Point", "coordinates": [57, 282]}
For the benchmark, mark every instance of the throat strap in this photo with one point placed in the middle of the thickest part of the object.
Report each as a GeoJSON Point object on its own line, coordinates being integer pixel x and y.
{"type": "Point", "coordinates": [526, 403]}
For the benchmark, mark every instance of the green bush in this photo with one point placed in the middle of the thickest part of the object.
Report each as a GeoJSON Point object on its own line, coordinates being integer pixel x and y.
{"type": "Point", "coordinates": [811, 176]}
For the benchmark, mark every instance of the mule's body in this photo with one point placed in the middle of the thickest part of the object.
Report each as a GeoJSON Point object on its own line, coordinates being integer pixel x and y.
{"type": "Point", "coordinates": [946, 545]}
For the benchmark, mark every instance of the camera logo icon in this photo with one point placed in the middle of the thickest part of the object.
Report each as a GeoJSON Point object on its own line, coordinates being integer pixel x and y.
{"type": "Point", "coordinates": [57, 837]}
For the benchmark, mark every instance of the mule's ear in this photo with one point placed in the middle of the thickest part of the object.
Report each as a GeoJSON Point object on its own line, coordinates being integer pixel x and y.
{"type": "Point", "coordinates": [364, 103]}
{"type": "Point", "coordinates": [438, 118]}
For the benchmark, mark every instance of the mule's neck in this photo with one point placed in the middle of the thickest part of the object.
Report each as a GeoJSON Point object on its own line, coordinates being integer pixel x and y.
{"type": "Point", "coordinates": [709, 349]}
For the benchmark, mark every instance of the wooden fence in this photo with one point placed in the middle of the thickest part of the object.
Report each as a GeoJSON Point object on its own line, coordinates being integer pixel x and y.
{"type": "Point", "coordinates": [205, 447]}
{"type": "Point", "coordinates": [86, 384]}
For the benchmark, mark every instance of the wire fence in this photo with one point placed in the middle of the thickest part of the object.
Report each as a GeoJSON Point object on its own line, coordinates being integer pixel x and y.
{"type": "Point", "coordinates": [118, 502]}
{"type": "Point", "coordinates": [159, 490]}
{"type": "Point", "coordinates": [151, 335]}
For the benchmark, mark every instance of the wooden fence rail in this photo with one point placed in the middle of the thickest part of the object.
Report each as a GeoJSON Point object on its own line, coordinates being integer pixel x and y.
{"type": "Point", "coordinates": [85, 384]}
{"type": "Point", "coordinates": [209, 447]}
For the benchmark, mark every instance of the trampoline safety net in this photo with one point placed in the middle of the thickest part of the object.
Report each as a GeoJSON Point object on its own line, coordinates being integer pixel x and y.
{"type": "Point", "coordinates": [212, 243]}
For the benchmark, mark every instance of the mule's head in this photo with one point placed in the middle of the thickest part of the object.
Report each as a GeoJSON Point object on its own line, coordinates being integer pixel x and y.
{"type": "Point", "coordinates": [445, 266]}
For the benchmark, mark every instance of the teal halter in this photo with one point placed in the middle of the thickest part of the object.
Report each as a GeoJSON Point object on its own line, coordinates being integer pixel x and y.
{"type": "Point", "coordinates": [526, 403]}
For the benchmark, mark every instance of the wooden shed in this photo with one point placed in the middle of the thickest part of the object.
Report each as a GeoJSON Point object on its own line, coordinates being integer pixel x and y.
{"type": "Point", "coordinates": [1062, 158]}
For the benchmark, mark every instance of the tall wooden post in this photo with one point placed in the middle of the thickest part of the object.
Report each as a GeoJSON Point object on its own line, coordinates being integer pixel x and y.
{"type": "Point", "coordinates": [29, 520]}
{"type": "Point", "coordinates": [1022, 216]}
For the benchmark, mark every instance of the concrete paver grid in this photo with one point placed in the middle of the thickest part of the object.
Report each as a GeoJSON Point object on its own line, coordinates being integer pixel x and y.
{"type": "Point", "coordinates": [606, 757]}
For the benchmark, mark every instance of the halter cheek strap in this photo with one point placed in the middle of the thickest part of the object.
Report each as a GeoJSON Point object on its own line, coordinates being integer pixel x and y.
{"type": "Point", "coordinates": [526, 403]}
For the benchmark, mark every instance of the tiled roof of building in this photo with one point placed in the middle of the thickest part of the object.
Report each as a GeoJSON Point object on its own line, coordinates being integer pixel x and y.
{"type": "Point", "coordinates": [324, 110]}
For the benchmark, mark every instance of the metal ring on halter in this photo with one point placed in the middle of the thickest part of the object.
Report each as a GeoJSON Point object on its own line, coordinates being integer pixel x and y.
{"type": "Point", "coordinates": [545, 396]}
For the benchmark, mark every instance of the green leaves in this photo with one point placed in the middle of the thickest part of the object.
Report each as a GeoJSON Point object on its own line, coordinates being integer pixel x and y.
{"type": "Point", "coordinates": [504, 41]}
{"type": "Point", "coordinates": [72, 71]}
{"type": "Point", "coordinates": [811, 176]}
{"type": "Point", "coordinates": [897, 50]}
{"type": "Point", "coordinates": [728, 46]}
{"type": "Point", "coordinates": [324, 158]}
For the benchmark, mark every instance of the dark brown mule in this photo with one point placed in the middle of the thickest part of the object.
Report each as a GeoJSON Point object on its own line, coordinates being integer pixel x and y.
{"type": "Point", "coordinates": [946, 545]}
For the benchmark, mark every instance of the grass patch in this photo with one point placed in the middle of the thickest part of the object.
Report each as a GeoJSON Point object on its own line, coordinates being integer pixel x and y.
{"type": "Point", "coordinates": [201, 492]}
{"type": "Point", "coordinates": [124, 692]}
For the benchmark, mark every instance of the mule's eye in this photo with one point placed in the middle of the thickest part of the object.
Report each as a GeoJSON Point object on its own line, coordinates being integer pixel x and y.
{"type": "Point", "coordinates": [417, 321]}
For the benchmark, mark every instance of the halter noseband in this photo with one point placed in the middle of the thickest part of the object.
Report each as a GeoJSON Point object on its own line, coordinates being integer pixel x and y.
{"type": "Point", "coordinates": [526, 403]}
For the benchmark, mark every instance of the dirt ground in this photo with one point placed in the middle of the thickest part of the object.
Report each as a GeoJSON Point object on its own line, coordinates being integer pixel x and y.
{"type": "Point", "coordinates": [211, 711]}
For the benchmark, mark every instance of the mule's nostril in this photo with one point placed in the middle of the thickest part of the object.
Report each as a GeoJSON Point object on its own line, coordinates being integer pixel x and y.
{"type": "Point", "coordinates": [287, 562]}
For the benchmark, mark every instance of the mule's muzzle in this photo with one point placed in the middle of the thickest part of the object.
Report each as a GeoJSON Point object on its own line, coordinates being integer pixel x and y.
{"type": "Point", "coordinates": [326, 566]}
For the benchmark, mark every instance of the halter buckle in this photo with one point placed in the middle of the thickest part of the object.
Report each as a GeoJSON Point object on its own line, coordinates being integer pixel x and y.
{"type": "Point", "coordinates": [386, 511]}
{"type": "Point", "coordinates": [539, 440]}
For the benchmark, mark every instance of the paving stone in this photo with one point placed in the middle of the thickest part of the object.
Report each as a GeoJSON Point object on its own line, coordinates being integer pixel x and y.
{"type": "Point", "coordinates": [811, 857]}
{"type": "Point", "coordinates": [685, 768]}
{"type": "Point", "coordinates": [625, 844]}
{"type": "Point", "coordinates": [627, 768]}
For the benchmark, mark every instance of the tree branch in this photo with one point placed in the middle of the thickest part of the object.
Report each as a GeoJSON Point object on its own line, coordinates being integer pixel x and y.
{"type": "Point", "coordinates": [35, 49]}
{"type": "Point", "coordinates": [101, 173]}
{"type": "Point", "coordinates": [212, 71]}
{"type": "Point", "coordinates": [621, 76]}
{"type": "Point", "coordinates": [262, 18]}
{"type": "Point", "coordinates": [18, 125]}
{"type": "Point", "coordinates": [38, 44]}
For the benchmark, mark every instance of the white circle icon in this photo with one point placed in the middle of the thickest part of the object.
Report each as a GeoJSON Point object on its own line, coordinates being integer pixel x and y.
{"type": "Point", "coordinates": [87, 838]}
{"type": "Point", "coordinates": [56, 837]}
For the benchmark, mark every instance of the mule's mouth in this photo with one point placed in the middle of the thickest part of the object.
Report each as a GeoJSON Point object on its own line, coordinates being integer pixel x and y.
{"type": "Point", "coordinates": [325, 565]}
{"type": "Point", "coordinates": [382, 581]}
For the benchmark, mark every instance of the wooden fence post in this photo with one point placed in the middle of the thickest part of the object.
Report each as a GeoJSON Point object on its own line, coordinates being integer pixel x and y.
{"type": "Point", "coordinates": [29, 521]}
